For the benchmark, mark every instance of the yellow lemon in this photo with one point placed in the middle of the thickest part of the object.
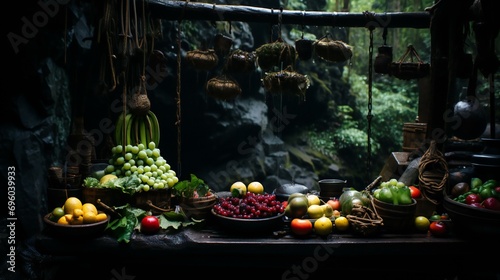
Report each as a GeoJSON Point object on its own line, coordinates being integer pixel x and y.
{"type": "Point", "coordinates": [313, 199]}
{"type": "Point", "coordinates": [77, 213]}
{"type": "Point", "coordinates": [71, 204]}
{"type": "Point", "coordinates": [342, 223]}
{"type": "Point", "coordinates": [323, 226]}
{"type": "Point", "coordinates": [255, 187]}
{"type": "Point", "coordinates": [106, 178]}
{"type": "Point", "coordinates": [315, 211]}
{"type": "Point", "coordinates": [76, 220]}
{"type": "Point", "coordinates": [240, 186]}
{"type": "Point", "coordinates": [63, 221]}
{"type": "Point", "coordinates": [89, 217]}
{"type": "Point", "coordinates": [101, 217]}
{"type": "Point", "coordinates": [89, 207]}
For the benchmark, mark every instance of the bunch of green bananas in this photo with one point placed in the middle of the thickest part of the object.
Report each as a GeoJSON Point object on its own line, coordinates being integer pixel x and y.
{"type": "Point", "coordinates": [136, 129]}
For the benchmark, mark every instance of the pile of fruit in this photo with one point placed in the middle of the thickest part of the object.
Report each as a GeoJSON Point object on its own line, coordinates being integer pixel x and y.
{"type": "Point", "coordinates": [478, 193]}
{"type": "Point", "coordinates": [135, 169]}
{"type": "Point", "coordinates": [248, 202]}
{"type": "Point", "coordinates": [73, 212]}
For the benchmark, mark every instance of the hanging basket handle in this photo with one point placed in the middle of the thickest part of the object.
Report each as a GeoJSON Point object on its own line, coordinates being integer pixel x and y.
{"type": "Point", "coordinates": [411, 52]}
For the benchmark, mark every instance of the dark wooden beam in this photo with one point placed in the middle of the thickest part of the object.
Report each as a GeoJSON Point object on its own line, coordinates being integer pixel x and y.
{"type": "Point", "coordinates": [182, 10]}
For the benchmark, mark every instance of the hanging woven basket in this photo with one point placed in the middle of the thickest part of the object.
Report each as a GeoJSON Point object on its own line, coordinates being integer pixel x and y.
{"type": "Point", "coordinates": [223, 87]}
{"type": "Point", "coordinates": [407, 68]}
{"type": "Point", "coordinates": [433, 174]}
{"type": "Point", "coordinates": [240, 61]}
{"type": "Point", "coordinates": [332, 50]}
{"type": "Point", "coordinates": [277, 54]}
{"type": "Point", "coordinates": [202, 59]}
{"type": "Point", "coordinates": [286, 81]}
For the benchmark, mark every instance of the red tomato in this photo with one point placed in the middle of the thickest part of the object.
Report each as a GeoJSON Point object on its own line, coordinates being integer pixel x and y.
{"type": "Point", "coordinates": [415, 192]}
{"type": "Point", "coordinates": [334, 203]}
{"type": "Point", "coordinates": [301, 226]}
{"type": "Point", "coordinates": [150, 225]}
{"type": "Point", "coordinates": [438, 228]}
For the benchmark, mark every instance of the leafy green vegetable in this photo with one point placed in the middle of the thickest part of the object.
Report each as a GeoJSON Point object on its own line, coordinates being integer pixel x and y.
{"type": "Point", "coordinates": [91, 182]}
{"type": "Point", "coordinates": [127, 184]}
{"type": "Point", "coordinates": [195, 187]}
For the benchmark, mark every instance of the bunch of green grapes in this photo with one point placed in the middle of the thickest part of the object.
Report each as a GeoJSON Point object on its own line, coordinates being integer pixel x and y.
{"type": "Point", "coordinates": [144, 162]}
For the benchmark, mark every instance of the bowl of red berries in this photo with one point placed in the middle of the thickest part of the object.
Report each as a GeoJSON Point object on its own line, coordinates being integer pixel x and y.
{"type": "Point", "coordinates": [249, 214]}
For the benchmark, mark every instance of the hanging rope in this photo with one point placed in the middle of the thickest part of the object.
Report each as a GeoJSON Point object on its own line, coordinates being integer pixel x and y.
{"type": "Point", "coordinates": [369, 115]}
{"type": "Point", "coordinates": [178, 102]}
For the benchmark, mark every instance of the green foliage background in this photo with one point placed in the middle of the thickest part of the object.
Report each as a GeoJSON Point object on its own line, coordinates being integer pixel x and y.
{"type": "Point", "coordinates": [394, 101]}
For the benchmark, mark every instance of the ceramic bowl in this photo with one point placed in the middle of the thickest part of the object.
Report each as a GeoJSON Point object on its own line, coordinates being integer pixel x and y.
{"type": "Point", "coordinates": [472, 221]}
{"type": "Point", "coordinates": [249, 226]}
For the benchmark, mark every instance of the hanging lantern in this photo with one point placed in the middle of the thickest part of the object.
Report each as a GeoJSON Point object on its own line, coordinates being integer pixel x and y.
{"type": "Point", "coordinates": [405, 70]}
{"type": "Point", "coordinates": [277, 54]}
{"type": "Point", "coordinates": [304, 48]}
{"type": "Point", "coordinates": [223, 87]}
{"type": "Point", "coordinates": [382, 63]}
{"type": "Point", "coordinates": [332, 50]}
{"type": "Point", "coordinates": [202, 59]}
{"type": "Point", "coordinates": [286, 81]}
{"type": "Point", "coordinates": [240, 61]}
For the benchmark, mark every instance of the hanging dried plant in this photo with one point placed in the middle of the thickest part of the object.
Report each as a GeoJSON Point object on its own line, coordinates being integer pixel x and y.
{"type": "Point", "coordinates": [332, 50]}
{"type": "Point", "coordinates": [240, 61]}
{"type": "Point", "coordinates": [286, 81]}
{"type": "Point", "coordinates": [202, 59]}
{"type": "Point", "coordinates": [304, 48]}
{"type": "Point", "coordinates": [277, 54]}
{"type": "Point", "coordinates": [223, 87]}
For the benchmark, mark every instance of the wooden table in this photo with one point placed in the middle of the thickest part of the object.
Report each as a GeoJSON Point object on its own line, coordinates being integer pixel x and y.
{"type": "Point", "coordinates": [198, 253]}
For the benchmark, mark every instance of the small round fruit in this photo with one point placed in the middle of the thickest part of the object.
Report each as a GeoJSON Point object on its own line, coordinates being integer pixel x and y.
{"type": "Point", "coordinates": [150, 225]}
{"type": "Point", "coordinates": [101, 217]}
{"type": "Point", "coordinates": [334, 203]}
{"type": "Point", "coordinates": [341, 223]}
{"type": "Point", "coordinates": [255, 187]}
{"type": "Point", "coordinates": [327, 209]}
{"type": "Point", "coordinates": [422, 223]}
{"type": "Point", "coordinates": [315, 211]}
{"type": "Point", "coordinates": [57, 213]}
{"type": "Point", "coordinates": [106, 178]}
{"type": "Point", "coordinates": [323, 226]}
{"type": "Point", "coordinates": [89, 217]}
{"type": "Point", "coordinates": [313, 199]}
{"type": "Point", "coordinates": [301, 227]}
{"type": "Point", "coordinates": [71, 204]}
{"type": "Point", "coordinates": [240, 186]}
{"type": "Point", "coordinates": [298, 207]}
{"type": "Point", "coordinates": [89, 207]}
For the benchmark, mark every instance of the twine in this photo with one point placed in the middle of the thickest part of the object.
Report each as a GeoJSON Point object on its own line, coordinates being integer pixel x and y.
{"type": "Point", "coordinates": [433, 173]}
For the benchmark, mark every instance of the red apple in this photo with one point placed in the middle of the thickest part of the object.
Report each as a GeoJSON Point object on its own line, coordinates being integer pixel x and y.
{"type": "Point", "coordinates": [334, 203]}
{"type": "Point", "coordinates": [473, 197]}
{"type": "Point", "coordinates": [491, 203]}
{"type": "Point", "coordinates": [150, 225]}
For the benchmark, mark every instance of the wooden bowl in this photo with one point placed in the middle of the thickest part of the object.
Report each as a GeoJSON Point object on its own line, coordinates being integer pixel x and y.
{"type": "Point", "coordinates": [75, 231]}
{"type": "Point", "coordinates": [249, 226]}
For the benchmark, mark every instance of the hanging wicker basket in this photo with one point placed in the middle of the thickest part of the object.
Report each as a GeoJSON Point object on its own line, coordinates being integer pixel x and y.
{"type": "Point", "coordinates": [223, 87]}
{"type": "Point", "coordinates": [240, 61]}
{"type": "Point", "coordinates": [277, 54]}
{"type": "Point", "coordinates": [332, 50]}
{"type": "Point", "coordinates": [406, 70]}
{"type": "Point", "coordinates": [286, 81]}
{"type": "Point", "coordinates": [202, 59]}
{"type": "Point", "coordinates": [433, 174]}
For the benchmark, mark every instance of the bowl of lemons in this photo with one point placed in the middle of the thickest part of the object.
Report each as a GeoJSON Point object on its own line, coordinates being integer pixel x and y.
{"type": "Point", "coordinates": [76, 220]}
